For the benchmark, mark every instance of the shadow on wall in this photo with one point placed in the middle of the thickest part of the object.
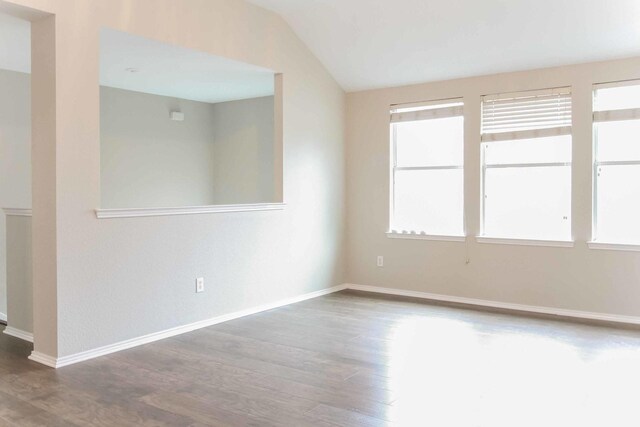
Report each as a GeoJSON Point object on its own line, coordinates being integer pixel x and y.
{"type": "Point", "coordinates": [15, 160]}
{"type": "Point", "coordinates": [19, 280]}
{"type": "Point", "coordinates": [219, 153]}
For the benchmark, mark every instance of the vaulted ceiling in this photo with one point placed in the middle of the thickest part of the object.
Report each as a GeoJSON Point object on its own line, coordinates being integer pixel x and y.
{"type": "Point", "coordinates": [135, 63]}
{"type": "Point", "coordinates": [377, 43]}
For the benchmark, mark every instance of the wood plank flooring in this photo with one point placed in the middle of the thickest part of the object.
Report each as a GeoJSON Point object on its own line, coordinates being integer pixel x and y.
{"type": "Point", "coordinates": [346, 359]}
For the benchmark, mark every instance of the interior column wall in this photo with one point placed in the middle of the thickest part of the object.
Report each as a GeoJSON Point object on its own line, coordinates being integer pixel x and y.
{"type": "Point", "coordinates": [120, 279]}
{"type": "Point", "coordinates": [44, 167]}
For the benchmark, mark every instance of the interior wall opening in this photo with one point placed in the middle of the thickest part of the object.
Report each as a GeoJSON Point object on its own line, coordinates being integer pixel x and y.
{"type": "Point", "coordinates": [183, 128]}
{"type": "Point", "coordinates": [16, 289]}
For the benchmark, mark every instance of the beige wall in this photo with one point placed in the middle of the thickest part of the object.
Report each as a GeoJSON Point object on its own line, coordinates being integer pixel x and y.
{"type": "Point", "coordinates": [97, 282]}
{"type": "Point", "coordinates": [573, 278]}
{"type": "Point", "coordinates": [19, 280]}
{"type": "Point", "coordinates": [149, 160]}
{"type": "Point", "coordinates": [15, 157]}
{"type": "Point", "coordinates": [146, 160]}
{"type": "Point", "coordinates": [220, 154]}
{"type": "Point", "coordinates": [112, 280]}
{"type": "Point", "coordinates": [243, 151]}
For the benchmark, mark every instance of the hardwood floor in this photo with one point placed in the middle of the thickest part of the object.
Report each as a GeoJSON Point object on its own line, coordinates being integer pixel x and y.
{"type": "Point", "coordinates": [347, 359]}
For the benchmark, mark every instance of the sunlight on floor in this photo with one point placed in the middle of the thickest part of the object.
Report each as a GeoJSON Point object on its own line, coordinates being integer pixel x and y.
{"type": "Point", "coordinates": [446, 372]}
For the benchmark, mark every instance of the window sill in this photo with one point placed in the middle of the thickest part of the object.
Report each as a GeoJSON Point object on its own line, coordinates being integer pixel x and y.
{"type": "Point", "coordinates": [525, 242]}
{"type": "Point", "coordinates": [17, 211]}
{"type": "Point", "coordinates": [187, 210]}
{"type": "Point", "coordinates": [614, 246]}
{"type": "Point", "coordinates": [416, 236]}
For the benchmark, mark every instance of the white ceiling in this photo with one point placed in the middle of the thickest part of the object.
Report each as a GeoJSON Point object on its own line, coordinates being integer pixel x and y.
{"type": "Point", "coordinates": [163, 69]}
{"type": "Point", "coordinates": [378, 43]}
{"type": "Point", "coordinates": [169, 70]}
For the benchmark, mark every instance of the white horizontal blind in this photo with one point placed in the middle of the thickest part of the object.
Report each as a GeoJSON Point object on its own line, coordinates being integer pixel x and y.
{"type": "Point", "coordinates": [426, 111]}
{"type": "Point", "coordinates": [524, 115]}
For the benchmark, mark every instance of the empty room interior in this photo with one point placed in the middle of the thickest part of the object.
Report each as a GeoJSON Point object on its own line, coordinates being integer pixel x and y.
{"type": "Point", "coordinates": [323, 213]}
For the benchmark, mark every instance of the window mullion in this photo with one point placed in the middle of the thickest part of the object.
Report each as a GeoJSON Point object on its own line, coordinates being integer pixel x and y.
{"type": "Point", "coordinates": [426, 168]}
{"type": "Point", "coordinates": [527, 165]}
{"type": "Point", "coordinates": [618, 163]}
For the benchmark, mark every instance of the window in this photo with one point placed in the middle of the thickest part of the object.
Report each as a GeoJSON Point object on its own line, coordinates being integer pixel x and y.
{"type": "Point", "coordinates": [526, 165]}
{"type": "Point", "coordinates": [427, 195]}
{"type": "Point", "coordinates": [616, 201]}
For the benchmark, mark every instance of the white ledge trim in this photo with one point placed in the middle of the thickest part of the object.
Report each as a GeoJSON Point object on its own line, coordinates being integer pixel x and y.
{"type": "Point", "coordinates": [526, 242]}
{"type": "Point", "coordinates": [187, 210]}
{"type": "Point", "coordinates": [17, 211]}
{"type": "Point", "coordinates": [3, 317]}
{"type": "Point", "coordinates": [614, 246]}
{"type": "Point", "coordinates": [416, 236]}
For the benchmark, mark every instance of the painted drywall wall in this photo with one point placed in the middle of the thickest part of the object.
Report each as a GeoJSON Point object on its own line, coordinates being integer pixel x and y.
{"type": "Point", "coordinates": [146, 160]}
{"type": "Point", "coordinates": [220, 154]}
{"type": "Point", "coordinates": [149, 160]}
{"type": "Point", "coordinates": [15, 157]}
{"type": "Point", "coordinates": [243, 151]}
{"type": "Point", "coordinates": [112, 280]}
{"type": "Point", "coordinates": [19, 278]}
{"type": "Point", "coordinates": [573, 278]}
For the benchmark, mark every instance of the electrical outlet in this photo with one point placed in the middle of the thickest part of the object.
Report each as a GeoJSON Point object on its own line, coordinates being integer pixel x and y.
{"type": "Point", "coordinates": [200, 284]}
{"type": "Point", "coordinates": [380, 261]}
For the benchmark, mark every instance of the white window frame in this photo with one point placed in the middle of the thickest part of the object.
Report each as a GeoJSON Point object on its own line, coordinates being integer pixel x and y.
{"type": "Point", "coordinates": [483, 195]}
{"type": "Point", "coordinates": [599, 117]}
{"type": "Point", "coordinates": [561, 128]}
{"type": "Point", "coordinates": [453, 107]}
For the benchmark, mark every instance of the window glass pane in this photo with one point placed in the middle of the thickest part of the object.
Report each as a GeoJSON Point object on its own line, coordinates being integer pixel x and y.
{"type": "Point", "coordinates": [618, 140]}
{"type": "Point", "coordinates": [618, 204]}
{"type": "Point", "coordinates": [429, 201]}
{"type": "Point", "coordinates": [617, 98]}
{"type": "Point", "coordinates": [437, 142]}
{"type": "Point", "coordinates": [554, 149]}
{"type": "Point", "coordinates": [528, 203]}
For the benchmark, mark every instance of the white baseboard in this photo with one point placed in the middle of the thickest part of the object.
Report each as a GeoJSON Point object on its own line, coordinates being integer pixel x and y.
{"type": "Point", "coordinates": [576, 314]}
{"type": "Point", "coordinates": [59, 362]}
{"type": "Point", "coordinates": [3, 317]}
{"type": "Point", "coordinates": [17, 333]}
{"type": "Point", "coordinates": [43, 359]}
